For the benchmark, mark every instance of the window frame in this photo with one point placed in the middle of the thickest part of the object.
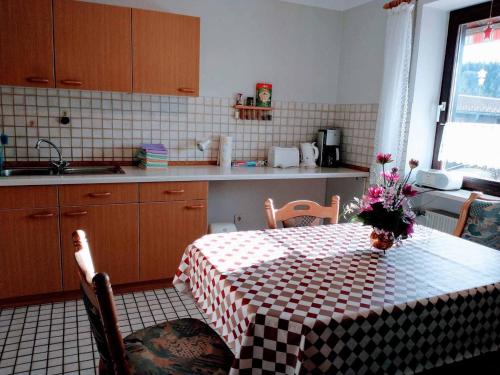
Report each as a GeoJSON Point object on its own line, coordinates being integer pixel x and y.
{"type": "Point", "coordinates": [458, 17]}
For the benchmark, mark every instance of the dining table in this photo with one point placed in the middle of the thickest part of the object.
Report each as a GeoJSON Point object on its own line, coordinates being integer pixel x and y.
{"type": "Point", "coordinates": [321, 300]}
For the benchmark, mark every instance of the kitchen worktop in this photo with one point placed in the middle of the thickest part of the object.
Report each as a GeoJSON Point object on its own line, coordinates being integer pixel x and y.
{"type": "Point", "coordinates": [187, 173]}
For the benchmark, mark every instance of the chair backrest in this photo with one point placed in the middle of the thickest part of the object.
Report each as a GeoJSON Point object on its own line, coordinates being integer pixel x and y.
{"type": "Point", "coordinates": [101, 309]}
{"type": "Point", "coordinates": [479, 220]}
{"type": "Point", "coordinates": [301, 213]}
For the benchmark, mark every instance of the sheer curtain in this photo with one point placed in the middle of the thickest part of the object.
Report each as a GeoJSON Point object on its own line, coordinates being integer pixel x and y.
{"type": "Point", "coordinates": [392, 122]}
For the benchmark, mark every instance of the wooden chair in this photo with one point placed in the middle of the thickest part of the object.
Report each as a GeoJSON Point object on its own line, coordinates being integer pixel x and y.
{"type": "Point", "coordinates": [183, 346]}
{"type": "Point", "coordinates": [301, 213]}
{"type": "Point", "coordinates": [479, 220]}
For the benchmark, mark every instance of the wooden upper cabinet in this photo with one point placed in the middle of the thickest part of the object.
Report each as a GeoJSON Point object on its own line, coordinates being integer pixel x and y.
{"type": "Point", "coordinates": [26, 47]}
{"type": "Point", "coordinates": [166, 53]}
{"type": "Point", "coordinates": [93, 46]}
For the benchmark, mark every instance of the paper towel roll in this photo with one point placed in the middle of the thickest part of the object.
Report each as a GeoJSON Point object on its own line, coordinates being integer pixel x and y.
{"type": "Point", "coordinates": [225, 150]}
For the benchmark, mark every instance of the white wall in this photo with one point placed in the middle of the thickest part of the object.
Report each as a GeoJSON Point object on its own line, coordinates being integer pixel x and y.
{"type": "Point", "coordinates": [362, 54]}
{"type": "Point", "coordinates": [246, 198]}
{"type": "Point", "coordinates": [294, 47]}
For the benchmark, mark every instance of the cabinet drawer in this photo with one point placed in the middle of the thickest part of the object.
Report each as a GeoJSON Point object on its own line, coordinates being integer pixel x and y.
{"type": "Point", "coordinates": [173, 191]}
{"type": "Point", "coordinates": [97, 194]}
{"type": "Point", "coordinates": [28, 197]}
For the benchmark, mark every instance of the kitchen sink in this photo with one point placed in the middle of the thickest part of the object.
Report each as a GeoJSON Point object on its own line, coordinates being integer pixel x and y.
{"type": "Point", "coordinates": [94, 170]}
{"type": "Point", "coordinates": [37, 171]}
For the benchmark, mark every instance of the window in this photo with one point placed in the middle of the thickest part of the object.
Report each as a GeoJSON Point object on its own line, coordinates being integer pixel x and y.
{"type": "Point", "coordinates": [468, 132]}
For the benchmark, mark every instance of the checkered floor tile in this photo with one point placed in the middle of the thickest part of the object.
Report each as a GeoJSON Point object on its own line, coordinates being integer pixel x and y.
{"type": "Point", "coordinates": [55, 338]}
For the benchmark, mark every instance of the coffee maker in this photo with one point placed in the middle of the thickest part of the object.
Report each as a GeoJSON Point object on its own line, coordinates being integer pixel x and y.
{"type": "Point", "coordinates": [329, 147]}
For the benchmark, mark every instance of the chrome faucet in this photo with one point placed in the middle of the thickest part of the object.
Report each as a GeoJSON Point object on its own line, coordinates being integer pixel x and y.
{"type": "Point", "coordinates": [59, 165]}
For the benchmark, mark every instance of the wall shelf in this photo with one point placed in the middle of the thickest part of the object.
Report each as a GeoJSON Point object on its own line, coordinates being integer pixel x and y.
{"type": "Point", "coordinates": [246, 112]}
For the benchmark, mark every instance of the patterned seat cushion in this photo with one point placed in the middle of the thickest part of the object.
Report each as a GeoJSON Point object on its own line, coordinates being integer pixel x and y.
{"type": "Point", "coordinates": [483, 224]}
{"type": "Point", "coordinates": [302, 221]}
{"type": "Point", "coordinates": [179, 347]}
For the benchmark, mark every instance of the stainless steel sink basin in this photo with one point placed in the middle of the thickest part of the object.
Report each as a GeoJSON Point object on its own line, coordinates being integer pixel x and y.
{"type": "Point", "coordinates": [111, 169]}
{"type": "Point", "coordinates": [36, 171]}
{"type": "Point", "coordinates": [27, 172]}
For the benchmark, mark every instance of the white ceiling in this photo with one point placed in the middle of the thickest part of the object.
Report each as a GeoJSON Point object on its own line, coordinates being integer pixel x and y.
{"type": "Point", "coordinates": [330, 4]}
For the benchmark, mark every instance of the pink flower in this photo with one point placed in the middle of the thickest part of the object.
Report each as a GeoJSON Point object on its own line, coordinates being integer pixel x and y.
{"type": "Point", "coordinates": [390, 177]}
{"type": "Point", "coordinates": [408, 191]}
{"type": "Point", "coordinates": [383, 158]}
{"type": "Point", "coordinates": [375, 194]}
{"type": "Point", "coordinates": [413, 163]}
{"type": "Point", "coordinates": [365, 204]}
{"type": "Point", "coordinates": [365, 208]}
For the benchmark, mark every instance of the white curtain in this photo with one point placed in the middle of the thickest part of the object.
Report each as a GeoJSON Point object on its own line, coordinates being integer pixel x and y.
{"type": "Point", "coordinates": [392, 122]}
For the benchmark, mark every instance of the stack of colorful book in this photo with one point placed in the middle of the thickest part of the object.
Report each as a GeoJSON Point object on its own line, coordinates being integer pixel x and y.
{"type": "Point", "coordinates": [152, 156]}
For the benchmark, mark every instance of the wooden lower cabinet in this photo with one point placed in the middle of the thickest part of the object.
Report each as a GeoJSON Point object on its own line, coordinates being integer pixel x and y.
{"type": "Point", "coordinates": [166, 229]}
{"type": "Point", "coordinates": [112, 232]}
{"type": "Point", "coordinates": [30, 259]}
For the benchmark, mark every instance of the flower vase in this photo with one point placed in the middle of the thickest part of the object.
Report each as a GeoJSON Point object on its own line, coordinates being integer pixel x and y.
{"type": "Point", "coordinates": [381, 240]}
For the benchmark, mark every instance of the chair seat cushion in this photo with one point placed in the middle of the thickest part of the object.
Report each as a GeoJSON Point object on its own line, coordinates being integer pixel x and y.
{"type": "Point", "coordinates": [302, 221]}
{"type": "Point", "coordinates": [483, 224]}
{"type": "Point", "coordinates": [184, 346]}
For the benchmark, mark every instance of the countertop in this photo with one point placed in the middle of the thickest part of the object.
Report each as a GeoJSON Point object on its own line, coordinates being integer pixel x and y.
{"type": "Point", "coordinates": [187, 173]}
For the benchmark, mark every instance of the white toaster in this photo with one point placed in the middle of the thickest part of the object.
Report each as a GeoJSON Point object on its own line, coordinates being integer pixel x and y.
{"type": "Point", "coordinates": [439, 179]}
{"type": "Point", "coordinates": [283, 157]}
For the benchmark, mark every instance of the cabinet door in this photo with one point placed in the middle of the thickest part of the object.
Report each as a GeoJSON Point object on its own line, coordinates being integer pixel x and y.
{"type": "Point", "coordinates": [166, 50]}
{"type": "Point", "coordinates": [166, 229]}
{"type": "Point", "coordinates": [112, 232]}
{"type": "Point", "coordinates": [26, 49]}
{"type": "Point", "coordinates": [29, 252]}
{"type": "Point", "coordinates": [93, 46]}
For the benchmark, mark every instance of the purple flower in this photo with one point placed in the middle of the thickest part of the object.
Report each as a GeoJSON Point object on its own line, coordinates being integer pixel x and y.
{"type": "Point", "coordinates": [409, 229]}
{"type": "Point", "coordinates": [383, 158]}
{"type": "Point", "coordinates": [408, 191]}
{"type": "Point", "coordinates": [413, 163]}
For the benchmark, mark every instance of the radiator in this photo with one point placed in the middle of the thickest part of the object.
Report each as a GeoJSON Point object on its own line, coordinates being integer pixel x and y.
{"type": "Point", "coordinates": [441, 220]}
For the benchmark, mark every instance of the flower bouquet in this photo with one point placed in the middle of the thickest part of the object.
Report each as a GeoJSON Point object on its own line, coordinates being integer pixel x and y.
{"type": "Point", "coordinates": [386, 206]}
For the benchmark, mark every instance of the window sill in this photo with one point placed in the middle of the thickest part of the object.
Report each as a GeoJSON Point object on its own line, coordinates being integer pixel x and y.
{"type": "Point", "coordinates": [455, 195]}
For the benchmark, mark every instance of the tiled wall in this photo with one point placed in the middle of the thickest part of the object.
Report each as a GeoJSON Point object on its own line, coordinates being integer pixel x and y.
{"type": "Point", "coordinates": [358, 123]}
{"type": "Point", "coordinates": [109, 126]}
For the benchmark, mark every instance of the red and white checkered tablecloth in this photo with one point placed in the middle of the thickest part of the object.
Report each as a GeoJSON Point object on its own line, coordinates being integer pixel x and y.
{"type": "Point", "coordinates": [316, 300]}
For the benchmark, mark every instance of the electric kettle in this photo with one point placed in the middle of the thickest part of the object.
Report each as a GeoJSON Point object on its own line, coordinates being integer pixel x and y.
{"type": "Point", "coordinates": [310, 154]}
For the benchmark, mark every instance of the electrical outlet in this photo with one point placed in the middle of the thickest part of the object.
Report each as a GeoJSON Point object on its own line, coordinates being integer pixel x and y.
{"type": "Point", "coordinates": [238, 218]}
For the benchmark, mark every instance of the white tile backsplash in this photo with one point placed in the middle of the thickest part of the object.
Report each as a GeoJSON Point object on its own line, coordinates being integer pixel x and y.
{"type": "Point", "coordinates": [110, 126]}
